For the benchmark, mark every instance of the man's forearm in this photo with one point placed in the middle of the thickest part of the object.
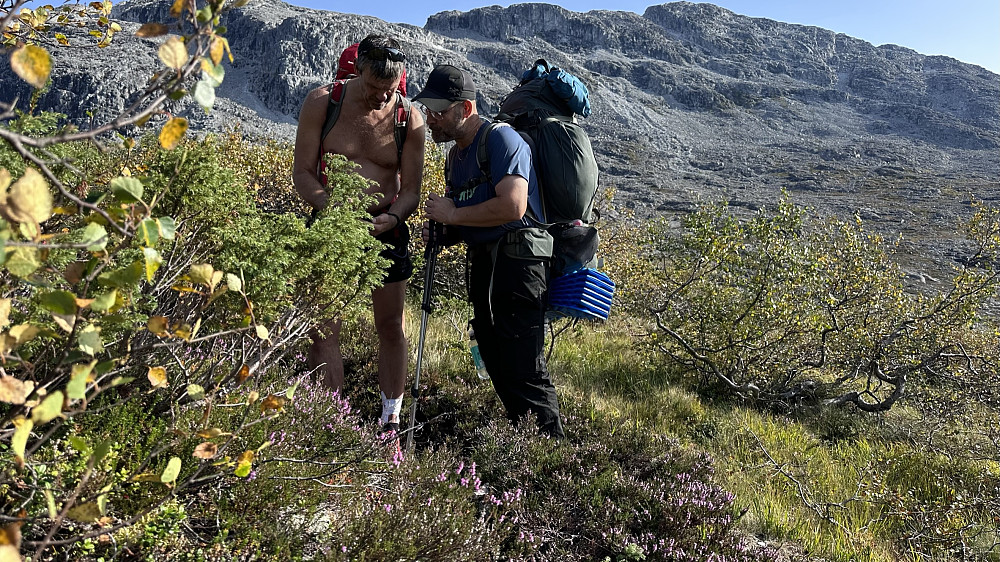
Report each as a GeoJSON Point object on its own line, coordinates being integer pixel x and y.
{"type": "Point", "coordinates": [310, 190]}
{"type": "Point", "coordinates": [404, 205]}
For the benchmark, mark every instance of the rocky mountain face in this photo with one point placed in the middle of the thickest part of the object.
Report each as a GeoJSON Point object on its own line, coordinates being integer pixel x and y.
{"type": "Point", "coordinates": [691, 102]}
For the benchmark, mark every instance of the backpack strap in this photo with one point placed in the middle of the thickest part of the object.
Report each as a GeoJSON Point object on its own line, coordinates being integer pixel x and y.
{"type": "Point", "coordinates": [482, 158]}
{"type": "Point", "coordinates": [401, 116]}
{"type": "Point", "coordinates": [337, 91]}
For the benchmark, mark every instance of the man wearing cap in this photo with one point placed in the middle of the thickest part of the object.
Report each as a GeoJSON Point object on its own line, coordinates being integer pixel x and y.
{"type": "Point", "coordinates": [508, 268]}
{"type": "Point", "coordinates": [363, 133]}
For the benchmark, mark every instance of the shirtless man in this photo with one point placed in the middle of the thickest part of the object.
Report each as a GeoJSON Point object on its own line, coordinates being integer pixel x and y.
{"type": "Point", "coordinates": [364, 134]}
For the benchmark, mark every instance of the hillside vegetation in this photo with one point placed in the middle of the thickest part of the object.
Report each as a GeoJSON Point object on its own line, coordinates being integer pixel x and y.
{"type": "Point", "coordinates": [767, 388]}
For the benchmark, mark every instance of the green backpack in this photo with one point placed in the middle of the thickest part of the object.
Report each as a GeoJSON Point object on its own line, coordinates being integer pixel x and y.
{"type": "Point", "coordinates": [543, 109]}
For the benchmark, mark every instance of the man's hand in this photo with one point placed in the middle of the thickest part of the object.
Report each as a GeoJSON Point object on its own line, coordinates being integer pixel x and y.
{"type": "Point", "coordinates": [440, 209]}
{"type": "Point", "coordinates": [318, 199]}
{"type": "Point", "coordinates": [383, 223]}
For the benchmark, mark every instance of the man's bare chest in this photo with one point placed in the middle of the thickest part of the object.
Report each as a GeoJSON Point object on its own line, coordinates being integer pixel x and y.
{"type": "Point", "coordinates": [364, 137]}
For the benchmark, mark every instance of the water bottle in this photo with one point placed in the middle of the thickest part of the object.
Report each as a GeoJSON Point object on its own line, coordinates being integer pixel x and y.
{"type": "Point", "coordinates": [477, 359]}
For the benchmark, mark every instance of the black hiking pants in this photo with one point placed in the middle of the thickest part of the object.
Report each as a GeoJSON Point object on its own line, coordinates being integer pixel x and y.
{"type": "Point", "coordinates": [510, 328]}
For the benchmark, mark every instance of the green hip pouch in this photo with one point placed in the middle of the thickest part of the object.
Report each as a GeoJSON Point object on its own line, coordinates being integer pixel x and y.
{"type": "Point", "coordinates": [527, 244]}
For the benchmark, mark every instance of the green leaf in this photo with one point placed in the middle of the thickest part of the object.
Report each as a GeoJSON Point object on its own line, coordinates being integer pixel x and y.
{"type": "Point", "coordinates": [60, 302]}
{"type": "Point", "coordinates": [50, 502]}
{"type": "Point", "coordinates": [124, 278]}
{"type": "Point", "coordinates": [104, 367]}
{"type": "Point", "coordinates": [153, 261]}
{"type": "Point", "coordinates": [234, 283]}
{"type": "Point", "coordinates": [33, 64]}
{"type": "Point", "coordinates": [78, 443]}
{"type": "Point", "coordinates": [96, 236]}
{"type": "Point", "coordinates": [148, 232]}
{"type": "Point", "coordinates": [49, 409]}
{"type": "Point", "coordinates": [262, 332]}
{"type": "Point", "coordinates": [213, 74]}
{"type": "Point", "coordinates": [127, 189]}
{"type": "Point", "coordinates": [195, 391]}
{"type": "Point", "coordinates": [105, 301]}
{"type": "Point", "coordinates": [102, 449]}
{"type": "Point", "coordinates": [77, 387]}
{"type": "Point", "coordinates": [290, 393]}
{"type": "Point", "coordinates": [90, 340]}
{"type": "Point", "coordinates": [167, 227]}
{"type": "Point", "coordinates": [118, 381]}
{"type": "Point", "coordinates": [23, 261]}
{"type": "Point", "coordinates": [22, 430]}
{"type": "Point", "coordinates": [172, 471]}
{"type": "Point", "coordinates": [204, 94]}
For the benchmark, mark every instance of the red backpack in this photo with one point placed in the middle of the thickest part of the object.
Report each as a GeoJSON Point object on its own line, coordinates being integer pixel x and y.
{"type": "Point", "coordinates": [345, 71]}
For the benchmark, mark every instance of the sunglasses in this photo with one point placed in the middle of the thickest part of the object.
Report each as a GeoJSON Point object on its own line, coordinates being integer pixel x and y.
{"type": "Point", "coordinates": [439, 114]}
{"type": "Point", "coordinates": [383, 54]}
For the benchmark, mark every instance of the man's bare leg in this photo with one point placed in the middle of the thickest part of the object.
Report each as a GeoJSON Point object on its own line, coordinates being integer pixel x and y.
{"type": "Point", "coordinates": [325, 351]}
{"type": "Point", "coordinates": [393, 358]}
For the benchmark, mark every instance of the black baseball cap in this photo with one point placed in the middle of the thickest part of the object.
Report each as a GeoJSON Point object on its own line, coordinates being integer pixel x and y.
{"type": "Point", "coordinates": [446, 85]}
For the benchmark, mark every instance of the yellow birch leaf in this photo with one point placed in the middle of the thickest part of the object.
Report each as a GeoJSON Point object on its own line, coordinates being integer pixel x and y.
{"type": "Point", "coordinates": [253, 397]}
{"type": "Point", "coordinates": [14, 391]}
{"type": "Point", "coordinates": [244, 464]}
{"type": "Point", "coordinates": [30, 200]}
{"type": "Point", "coordinates": [172, 132]}
{"type": "Point", "coordinates": [183, 331]}
{"type": "Point", "coordinates": [33, 64]}
{"type": "Point", "coordinates": [177, 8]}
{"type": "Point", "coordinates": [5, 180]}
{"type": "Point", "coordinates": [157, 377]}
{"type": "Point", "coordinates": [87, 512]}
{"type": "Point", "coordinates": [173, 52]}
{"type": "Point", "coordinates": [212, 433]}
{"type": "Point", "coordinates": [65, 321]}
{"type": "Point", "coordinates": [205, 450]}
{"type": "Point", "coordinates": [18, 443]}
{"type": "Point", "coordinates": [158, 325]}
{"type": "Point", "coordinates": [262, 332]}
{"type": "Point", "coordinates": [4, 312]}
{"type": "Point", "coordinates": [217, 50]}
{"type": "Point", "coordinates": [151, 29]}
{"type": "Point", "coordinates": [243, 375]}
{"type": "Point", "coordinates": [272, 402]}
{"type": "Point", "coordinates": [201, 273]}
{"type": "Point", "coordinates": [24, 333]}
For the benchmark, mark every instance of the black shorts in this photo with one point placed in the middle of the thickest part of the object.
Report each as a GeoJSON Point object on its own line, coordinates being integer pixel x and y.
{"type": "Point", "coordinates": [397, 252]}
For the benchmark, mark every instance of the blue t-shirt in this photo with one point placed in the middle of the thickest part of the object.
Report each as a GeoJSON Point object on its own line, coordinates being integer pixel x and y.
{"type": "Point", "coordinates": [508, 155]}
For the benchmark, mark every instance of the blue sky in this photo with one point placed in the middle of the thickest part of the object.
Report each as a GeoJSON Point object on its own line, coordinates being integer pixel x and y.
{"type": "Point", "coordinates": [968, 30]}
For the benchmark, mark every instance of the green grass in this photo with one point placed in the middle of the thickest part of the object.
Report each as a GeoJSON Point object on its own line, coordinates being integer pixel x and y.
{"type": "Point", "coordinates": [866, 490]}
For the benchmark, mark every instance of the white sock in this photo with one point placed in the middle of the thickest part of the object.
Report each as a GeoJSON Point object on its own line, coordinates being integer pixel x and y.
{"type": "Point", "coordinates": [391, 408]}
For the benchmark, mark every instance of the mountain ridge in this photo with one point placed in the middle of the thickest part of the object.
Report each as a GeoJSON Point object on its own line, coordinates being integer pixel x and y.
{"type": "Point", "coordinates": [691, 101]}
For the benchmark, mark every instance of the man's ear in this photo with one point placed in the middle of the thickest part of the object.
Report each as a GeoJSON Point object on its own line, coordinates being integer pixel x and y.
{"type": "Point", "coordinates": [467, 108]}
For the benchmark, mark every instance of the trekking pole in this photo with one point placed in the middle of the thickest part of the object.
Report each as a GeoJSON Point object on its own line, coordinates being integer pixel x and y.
{"type": "Point", "coordinates": [430, 258]}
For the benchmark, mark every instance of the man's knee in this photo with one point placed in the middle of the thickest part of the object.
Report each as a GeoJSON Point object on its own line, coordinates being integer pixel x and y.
{"type": "Point", "coordinates": [390, 330]}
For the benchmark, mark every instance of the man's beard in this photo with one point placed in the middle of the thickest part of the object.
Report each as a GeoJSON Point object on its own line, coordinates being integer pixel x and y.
{"type": "Point", "coordinates": [443, 135]}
